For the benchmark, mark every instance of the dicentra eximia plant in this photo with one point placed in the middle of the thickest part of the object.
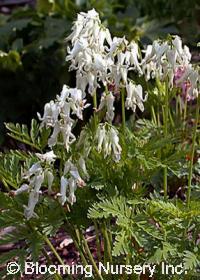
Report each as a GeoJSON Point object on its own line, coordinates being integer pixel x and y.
{"type": "Point", "coordinates": [109, 158]}
{"type": "Point", "coordinates": [99, 59]}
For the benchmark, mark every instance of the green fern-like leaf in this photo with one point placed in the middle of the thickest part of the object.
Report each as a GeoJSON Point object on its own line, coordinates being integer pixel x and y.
{"type": "Point", "coordinates": [21, 133]}
{"type": "Point", "coordinates": [120, 245]}
{"type": "Point", "coordinates": [115, 207]}
{"type": "Point", "coordinates": [190, 260]}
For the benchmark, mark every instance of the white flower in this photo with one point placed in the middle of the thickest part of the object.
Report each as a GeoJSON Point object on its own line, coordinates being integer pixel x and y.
{"type": "Point", "coordinates": [57, 114]}
{"type": "Point", "coordinates": [52, 141]}
{"type": "Point", "coordinates": [63, 189]}
{"type": "Point", "coordinates": [108, 141]}
{"type": "Point", "coordinates": [87, 25]}
{"type": "Point", "coordinates": [33, 200]}
{"type": "Point", "coordinates": [79, 46]}
{"type": "Point", "coordinates": [159, 49]}
{"type": "Point", "coordinates": [134, 55]}
{"type": "Point", "coordinates": [194, 78]}
{"type": "Point", "coordinates": [35, 178]}
{"type": "Point", "coordinates": [172, 57]}
{"type": "Point", "coordinates": [117, 45]}
{"type": "Point", "coordinates": [191, 77]}
{"type": "Point", "coordinates": [68, 136]}
{"type": "Point", "coordinates": [162, 60]}
{"type": "Point", "coordinates": [83, 168]}
{"type": "Point", "coordinates": [77, 103]}
{"type": "Point", "coordinates": [51, 112]}
{"type": "Point", "coordinates": [114, 140]}
{"type": "Point", "coordinates": [134, 97]}
{"type": "Point", "coordinates": [63, 96]}
{"type": "Point", "coordinates": [177, 43]}
{"type": "Point", "coordinates": [23, 188]}
{"type": "Point", "coordinates": [36, 182]}
{"type": "Point", "coordinates": [104, 35]}
{"type": "Point", "coordinates": [88, 55]}
{"type": "Point", "coordinates": [72, 170]}
{"type": "Point", "coordinates": [148, 54]}
{"type": "Point", "coordinates": [72, 187]}
{"type": "Point", "coordinates": [186, 56]}
{"type": "Point", "coordinates": [100, 136]}
{"type": "Point", "coordinates": [110, 107]}
{"type": "Point", "coordinates": [69, 182]}
{"type": "Point", "coordinates": [49, 157]}
{"type": "Point", "coordinates": [92, 82]}
{"type": "Point", "coordinates": [81, 81]}
{"type": "Point", "coordinates": [107, 100]}
{"type": "Point", "coordinates": [35, 169]}
{"type": "Point", "coordinates": [77, 178]}
{"type": "Point", "coordinates": [50, 178]}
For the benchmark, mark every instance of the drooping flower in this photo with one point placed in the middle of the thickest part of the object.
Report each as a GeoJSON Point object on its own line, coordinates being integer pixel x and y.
{"type": "Point", "coordinates": [35, 178]}
{"type": "Point", "coordinates": [70, 180]}
{"type": "Point", "coordinates": [57, 115]}
{"type": "Point", "coordinates": [63, 190]}
{"type": "Point", "coordinates": [187, 79]}
{"type": "Point", "coordinates": [82, 166]}
{"type": "Point", "coordinates": [88, 54]}
{"type": "Point", "coordinates": [72, 188]}
{"type": "Point", "coordinates": [23, 188]}
{"type": "Point", "coordinates": [48, 157]}
{"type": "Point", "coordinates": [50, 178]}
{"type": "Point", "coordinates": [125, 58]}
{"type": "Point", "coordinates": [33, 200]}
{"type": "Point", "coordinates": [134, 97]}
{"type": "Point", "coordinates": [101, 137]}
{"type": "Point", "coordinates": [107, 101]}
{"type": "Point", "coordinates": [163, 59]}
{"type": "Point", "coordinates": [114, 142]}
{"type": "Point", "coordinates": [51, 113]}
{"type": "Point", "coordinates": [108, 141]}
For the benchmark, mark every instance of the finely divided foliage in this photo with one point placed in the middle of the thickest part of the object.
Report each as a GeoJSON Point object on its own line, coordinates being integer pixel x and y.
{"type": "Point", "coordinates": [104, 171]}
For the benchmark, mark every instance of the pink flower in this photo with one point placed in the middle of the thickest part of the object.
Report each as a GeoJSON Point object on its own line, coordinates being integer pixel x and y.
{"type": "Point", "coordinates": [182, 84]}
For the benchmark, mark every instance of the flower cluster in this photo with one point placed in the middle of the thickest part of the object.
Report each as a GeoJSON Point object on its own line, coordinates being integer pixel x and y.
{"type": "Point", "coordinates": [107, 101]}
{"type": "Point", "coordinates": [70, 180]}
{"type": "Point", "coordinates": [57, 114]}
{"type": "Point", "coordinates": [39, 173]}
{"type": "Point", "coordinates": [88, 54]}
{"type": "Point", "coordinates": [100, 59]}
{"type": "Point", "coordinates": [108, 141]}
{"type": "Point", "coordinates": [169, 61]}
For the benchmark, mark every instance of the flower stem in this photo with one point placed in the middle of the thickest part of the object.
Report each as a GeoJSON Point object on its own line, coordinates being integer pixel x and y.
{"type": "Point", "coordinates": [91, 257]}
{"type": "Point", "coordinates": [123, 109]}
{"type": "Point", "coordinates": [76, 237]}
{"type": "Point", "coordinates": [185, 111]}
{"type": "Point", "coordinates": [153, 115]}
{"type": "Point", "coordinates": [98, 241]}
{"type": "Point", "coordinates": [165, 115]}
{"type": "Point", "coordinates": [107, 242]}
{"type": "Point", "coordinates": [56, 276]}
{"type": "Point", "coordinates": [48, 242]}
{"type": "Point", "coordinates": [192, 152]}
{"type": "Point", "coordinates": [46, 239]}
{"type": "Point", "coordinates": [78, 246]}
{"type": "Point", "coordinates": [95, 108]}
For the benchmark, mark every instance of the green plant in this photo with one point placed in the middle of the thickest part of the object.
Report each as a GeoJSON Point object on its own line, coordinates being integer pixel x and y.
{"type": "Point", "coordinates": [87, 162]}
